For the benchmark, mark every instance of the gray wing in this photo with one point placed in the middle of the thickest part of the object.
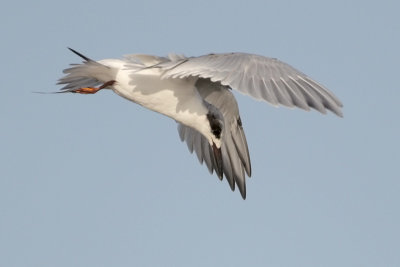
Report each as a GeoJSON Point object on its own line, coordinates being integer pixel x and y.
{"type": "Point", "coordinates": [145, 60]}
{"type": "Point", "coordinates": [235, 153]}
{"type": "Point", "coordinates": [263, 78]}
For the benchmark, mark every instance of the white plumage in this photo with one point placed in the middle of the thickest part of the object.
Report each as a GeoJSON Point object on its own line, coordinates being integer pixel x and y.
{"type": "Point", "coordinates": [195, 92]}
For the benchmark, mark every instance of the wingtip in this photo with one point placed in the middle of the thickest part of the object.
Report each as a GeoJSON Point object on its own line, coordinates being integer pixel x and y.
{"type": "Point", "coordinates": [79, 54]}
{"type": "Point", "coordinates": [243, 194]}
{"type": "Point", "coordinates": [218, 161]}
{"type": "Point", "coordinates": [337, 111]}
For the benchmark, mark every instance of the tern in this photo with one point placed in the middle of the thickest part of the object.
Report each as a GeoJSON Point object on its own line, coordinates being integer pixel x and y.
{"type": "Point", "coordinates": [197, 93]}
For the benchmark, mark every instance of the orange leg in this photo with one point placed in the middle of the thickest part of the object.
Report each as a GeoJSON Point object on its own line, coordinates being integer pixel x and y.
{"type": "Point", "coordinates": [87, 90]}
{"type": "Point", "coordinates": [92, 90]}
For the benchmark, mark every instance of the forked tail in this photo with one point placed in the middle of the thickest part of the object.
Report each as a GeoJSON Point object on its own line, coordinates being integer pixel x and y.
{"type": "Point", "coordinates": [89, 73]}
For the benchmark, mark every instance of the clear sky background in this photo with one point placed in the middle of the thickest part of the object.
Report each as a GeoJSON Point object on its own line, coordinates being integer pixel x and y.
{"type": "Point", "coordinates": [94, 180]}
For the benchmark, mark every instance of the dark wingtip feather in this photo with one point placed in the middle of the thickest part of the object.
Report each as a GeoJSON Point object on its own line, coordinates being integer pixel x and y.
{"type": "Point", "coordinates": [243, 192]}
{"type": "Point", "coordinates": [218, 161]}
{"type": "Point", "coordinates": [79, 54]}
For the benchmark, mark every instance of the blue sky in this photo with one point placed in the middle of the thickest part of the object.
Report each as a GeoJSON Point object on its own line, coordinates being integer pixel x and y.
{"type": "Point", "coordinates": [98, 181]}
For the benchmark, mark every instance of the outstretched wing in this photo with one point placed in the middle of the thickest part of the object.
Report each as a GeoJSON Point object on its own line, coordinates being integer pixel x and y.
{"type": "Point", "coordinates": [234, 150]}
{"type": "Point", "coordinates": [263, 78]}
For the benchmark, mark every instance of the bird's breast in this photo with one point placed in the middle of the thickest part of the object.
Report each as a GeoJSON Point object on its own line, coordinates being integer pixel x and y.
{"type": "Point", "coordinates": [175, 98]}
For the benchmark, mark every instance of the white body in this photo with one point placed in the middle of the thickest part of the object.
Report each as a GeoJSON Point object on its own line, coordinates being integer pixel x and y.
{"type": "Point", "coordinates": [175, 98]}
{"type": "Point", "coordinates": [196, 93]}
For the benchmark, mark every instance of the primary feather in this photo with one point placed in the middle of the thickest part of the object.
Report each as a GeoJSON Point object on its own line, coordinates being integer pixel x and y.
{"type": "Point", "coordinates": [263, 78]}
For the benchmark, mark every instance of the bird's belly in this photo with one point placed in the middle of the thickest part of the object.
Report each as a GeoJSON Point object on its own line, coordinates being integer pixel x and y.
{"type": "Point", "coordinates": [175, 98]}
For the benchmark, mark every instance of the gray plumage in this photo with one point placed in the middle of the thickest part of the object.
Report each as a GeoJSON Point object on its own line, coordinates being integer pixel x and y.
{"type": "Point", "coordinates": [235, 153]}
{"type": "Point", "coordinates": [262, 78]}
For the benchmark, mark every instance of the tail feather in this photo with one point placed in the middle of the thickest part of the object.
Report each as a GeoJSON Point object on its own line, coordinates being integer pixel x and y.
{"type": "Point", "coordinates": [89, 73]}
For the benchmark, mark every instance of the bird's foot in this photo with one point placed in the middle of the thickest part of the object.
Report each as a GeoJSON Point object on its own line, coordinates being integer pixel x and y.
{"type": "Point", "coordinates": [86, 90]}
{"type": "Point", "coordinates": [93, 90]}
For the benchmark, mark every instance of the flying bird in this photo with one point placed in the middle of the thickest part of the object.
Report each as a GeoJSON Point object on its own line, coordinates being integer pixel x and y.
{"type": "Point", "coordinates": [196, 93]}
